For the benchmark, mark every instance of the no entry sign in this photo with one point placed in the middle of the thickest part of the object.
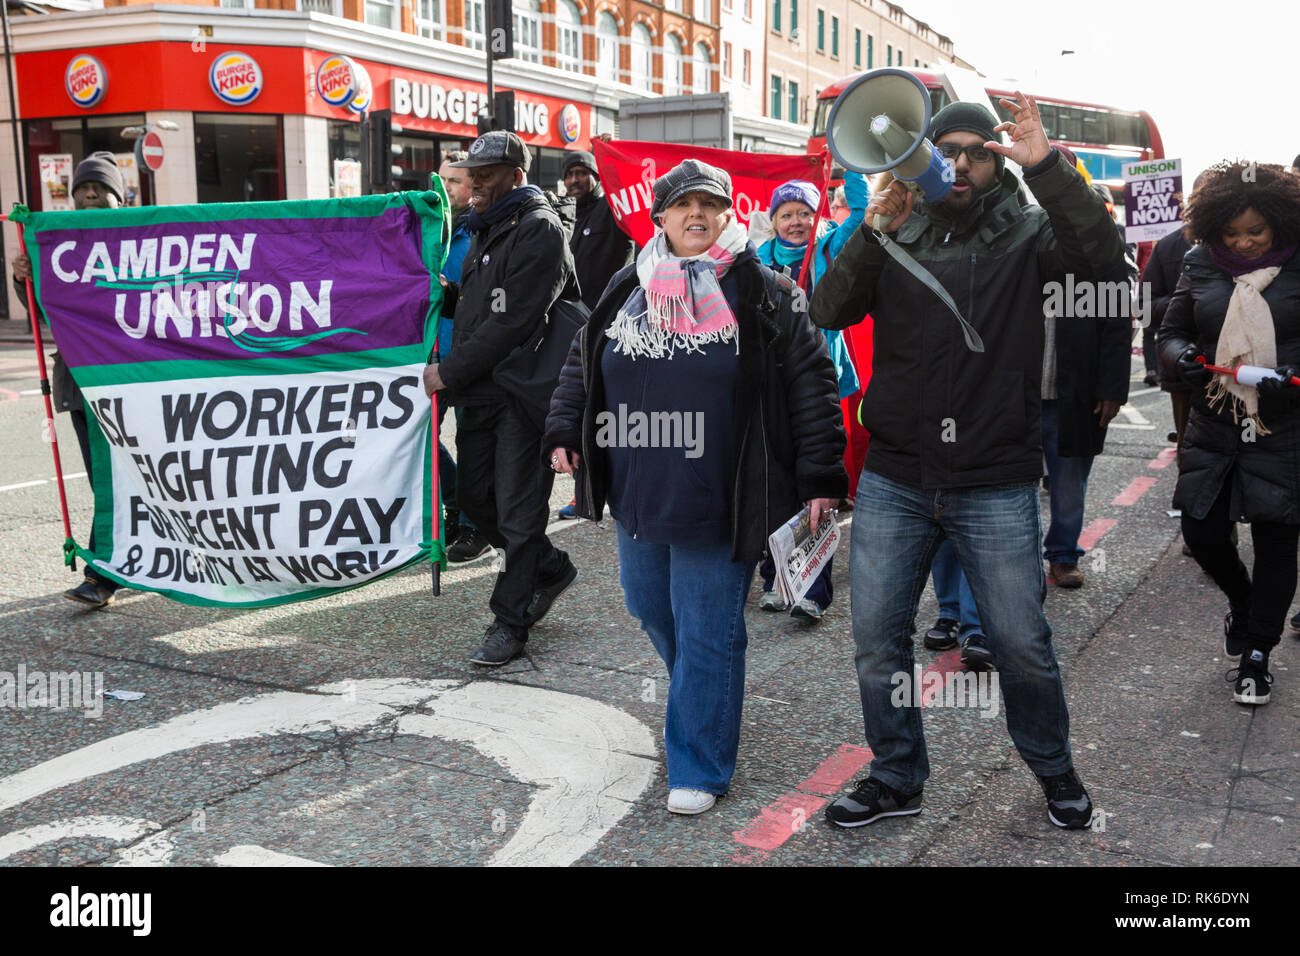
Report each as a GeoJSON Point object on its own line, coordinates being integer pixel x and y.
{"type": "Point", "coordinates": [151, 150]}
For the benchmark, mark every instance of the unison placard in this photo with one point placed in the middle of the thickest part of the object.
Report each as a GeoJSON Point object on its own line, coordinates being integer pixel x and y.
{"type": "Point", "coordinates": [251, 377]}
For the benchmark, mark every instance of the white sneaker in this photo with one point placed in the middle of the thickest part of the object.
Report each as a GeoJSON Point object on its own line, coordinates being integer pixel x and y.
{"type": "Point", "coordinates": [685, 800]}
{"type": "Point", "coordinates": [771, 601]}
{"type": "Point", "coordinates": [808, 609]}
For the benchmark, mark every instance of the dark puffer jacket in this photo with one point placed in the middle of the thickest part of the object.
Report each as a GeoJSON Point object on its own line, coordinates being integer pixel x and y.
{"type": "Point", "coordinates": [1265, 472]}
{"type": "Point", "coordinates": [600, 248]}
{"type": "Point", "coordinates": [788, 444]}
{"type": "Point", "coordinates": [941, 416]}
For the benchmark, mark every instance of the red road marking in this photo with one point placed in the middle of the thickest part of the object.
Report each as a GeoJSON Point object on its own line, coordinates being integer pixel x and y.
{"type": "Point", "coordinates": [8, 395]}
{"type": "Point", "coordinates": [1136, 489]}
{"type": "Point", "coordinates": [836, 770]}
{"type": "Point", "coordinates": [949, 662]}
{"type": "Point", "coordinates": [787, 815]}
{"type": "Point", "coordinates": [1164, 459]}
{"type": "Point", "coordinates": [1097, 527]}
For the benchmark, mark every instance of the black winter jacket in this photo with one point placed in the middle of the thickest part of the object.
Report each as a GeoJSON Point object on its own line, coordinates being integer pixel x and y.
{"type": "Point", "coordinates": [941, 416]}
{"type": "Point", "coordinates": [1161, 278]}
{"type": "Point", "coordinates": [1265, 471]}
{"type": "Point", "coordinates": [600, 248]}
{"type": "Point", "coordinates": [510, 278]}
{"type": "Point", "coordinates": [789, 433]}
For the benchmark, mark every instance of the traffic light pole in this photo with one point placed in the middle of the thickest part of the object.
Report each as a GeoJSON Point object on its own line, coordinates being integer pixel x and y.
{"type": "Point", "coordinates": [489, 27]}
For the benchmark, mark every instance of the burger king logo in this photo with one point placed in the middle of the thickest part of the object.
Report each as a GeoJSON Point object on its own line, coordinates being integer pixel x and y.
{"type": "Point", "coordinates": [236, 78]}
{"type": "Point", "coordinates": [360, 102]}
{"type": "Point", "coordinates": [85, 80]}
{"type": "Point", "coordinates": [336, 80]}
{"type": "Point", "coordinates": [570, 123]}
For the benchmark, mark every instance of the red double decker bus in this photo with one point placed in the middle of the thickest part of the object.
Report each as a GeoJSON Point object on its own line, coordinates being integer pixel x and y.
{"type": "Point", "coordinates": [1103, 137]}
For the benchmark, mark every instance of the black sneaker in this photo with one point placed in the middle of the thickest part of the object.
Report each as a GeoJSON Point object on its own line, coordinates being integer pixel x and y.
{"type": "Point", "coordinates": [469, 546]}
{"type": "Point", "coordinates": [94, 593]}
{"type": "Point", "coordinates": [1150, 379]}
{"type": "Point", "coordinates": [1068, 805]}
{"type": "Point", "coordinates": [1295, 624]}
{"type": "Point", "coordinates": [1234, 634]}
{"type": "Point", "coordinates": [870, 801]}
{"type": "Point", "coordinates": [975, 653]}
{"type": "Point", "coordinates": [942, 636]}
{"type": "Point", "coordinates": [547, 591]}
{"type": "Point", "coordinates": [1251, 679]}
{"type": "Point", "coordinates": [500, 646]}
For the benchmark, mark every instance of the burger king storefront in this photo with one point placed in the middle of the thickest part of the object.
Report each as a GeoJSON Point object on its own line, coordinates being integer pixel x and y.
{"type": "Point", "coordinates": [266, 104]}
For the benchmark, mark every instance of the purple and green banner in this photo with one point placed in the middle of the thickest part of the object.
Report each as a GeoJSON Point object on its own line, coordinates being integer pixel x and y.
{"type": "Point", "coordinates": [251, 374]}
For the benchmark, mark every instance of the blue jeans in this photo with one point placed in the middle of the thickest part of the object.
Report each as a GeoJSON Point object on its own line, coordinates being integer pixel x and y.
{"type": "Point", "coordinates": [1069, 486]}
{"type": "Point", "coordinates": [955, 600]}
{"type": "Point", "coordinates": [995, 533]}
{"type": "Point", "coordinates": [690, 599]}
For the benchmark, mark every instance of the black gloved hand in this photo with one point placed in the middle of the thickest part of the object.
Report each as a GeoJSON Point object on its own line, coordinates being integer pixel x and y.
{"type": "Point", "coordinates": [1191, 371]}
{"type": "Point", "coordinates": [1282, 391]}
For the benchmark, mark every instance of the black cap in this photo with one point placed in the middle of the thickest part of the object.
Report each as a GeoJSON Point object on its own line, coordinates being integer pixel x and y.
{"type": "Point", "coordinates": [497, 147]}
{"type": "Point", "coordinates": [102, 168]}
{"type": "Point", "coordinates": [579, 157]}
{"type": "Point", "coordinates": [689, 176]}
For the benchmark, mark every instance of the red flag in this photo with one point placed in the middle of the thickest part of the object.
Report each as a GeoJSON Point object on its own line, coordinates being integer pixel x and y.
{"type": "Point", "coordinates": [628, 170]}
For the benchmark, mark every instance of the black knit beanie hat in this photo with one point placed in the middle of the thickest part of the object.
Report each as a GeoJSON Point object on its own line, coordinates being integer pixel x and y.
{"type": "Point", "coordinates": [965, 117]}
{"type": "Point", "coordinates": [100, 167]}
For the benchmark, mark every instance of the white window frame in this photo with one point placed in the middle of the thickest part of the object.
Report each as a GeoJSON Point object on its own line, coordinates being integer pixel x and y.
{"type": "Point", "coordinates": [528, 30]}
{"type": "Point", "coordinates": [674, 69]}
{"type": "Point", "coordinates": [746, 69]}
{"type": "Point", "coordinates": [394, 13]}
{"type": "Point", "coordinates": [642, 73]}
{"type": "Point", "coordinates": [607, 47]}
{"type": "Point", "coordinates": [425, 27]}
{"type": "Point", "coordinates": [704, 11]}
{"type": "Point", "coordinates": [568, 37]}
{"type": "Point", "coordinates": [475, 15]}
{"type": "Point", "coordinates": [701, 67]}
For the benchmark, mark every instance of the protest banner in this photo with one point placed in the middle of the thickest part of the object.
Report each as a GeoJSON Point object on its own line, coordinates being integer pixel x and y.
{"type": "Point", "coordinates": [628, 170]}
{"type": "Point", "coordinates": [251, 374]}
{"type": "Point", "coordinates": [1153, 199]}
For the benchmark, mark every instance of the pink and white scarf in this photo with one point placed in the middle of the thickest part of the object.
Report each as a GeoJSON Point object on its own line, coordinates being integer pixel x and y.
{"type": "Point", "coordinates": [678, 303]}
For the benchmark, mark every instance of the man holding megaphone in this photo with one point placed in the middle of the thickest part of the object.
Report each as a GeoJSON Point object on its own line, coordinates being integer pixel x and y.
{"type": "Point", "coordinates": [956, 440]}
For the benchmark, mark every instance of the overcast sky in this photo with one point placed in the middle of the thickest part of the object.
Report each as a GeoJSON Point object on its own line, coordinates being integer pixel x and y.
{"type": "Point", "coordinates": [1219, 79]}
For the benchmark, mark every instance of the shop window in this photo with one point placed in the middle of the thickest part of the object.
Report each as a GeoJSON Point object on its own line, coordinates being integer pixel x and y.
{"type": "Point", "coordinates": [238, 157]}
{"type": "Point", "coordinates": [78, 137]}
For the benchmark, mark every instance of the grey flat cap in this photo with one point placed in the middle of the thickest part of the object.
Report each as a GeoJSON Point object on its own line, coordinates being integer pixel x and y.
{"type": "Point", "coordinates": [689, 176]}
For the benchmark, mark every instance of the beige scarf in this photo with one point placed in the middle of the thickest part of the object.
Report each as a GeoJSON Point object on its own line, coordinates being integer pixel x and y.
{"type": "Point", "coordinates": [1247, 338]}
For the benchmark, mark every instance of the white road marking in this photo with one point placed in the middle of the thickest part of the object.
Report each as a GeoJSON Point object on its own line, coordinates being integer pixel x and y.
{"type": "Point", "coordinates": [41, 481]}
{"type": "Point", "coordinates": [121, 829]}
{"type": "Point", "coordinates": [589, 760]}
{"type": "Point", "coordinates": [1143, 391]}
{"type": "Point", "coordinates": [156, 850]}
{"type": "Point", "coordinates": [1134, 416]}
{"type": "Point", "coordinates": [260, 856]}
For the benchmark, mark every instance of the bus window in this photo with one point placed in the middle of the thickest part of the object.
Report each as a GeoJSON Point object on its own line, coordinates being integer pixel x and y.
{"type": "Point", "coordinates": [1095, 127]}
{"type": "Point", "coordinates": [819, 118]}
{"type": "Point", "coordinates": [1069, 124]}
{"type": "Point", "coordinates": [938, 100]}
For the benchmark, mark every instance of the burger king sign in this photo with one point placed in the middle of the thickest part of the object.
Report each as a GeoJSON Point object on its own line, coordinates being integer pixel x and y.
{"type": "Point", "coordinates": [85, 80]}
{"type": "Point", "coordinates": [235, 77]}
{"type": "Point", "coordinates": [338, 80]}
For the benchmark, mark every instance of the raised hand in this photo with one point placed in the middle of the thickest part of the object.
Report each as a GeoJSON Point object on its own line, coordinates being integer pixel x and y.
{"type": "Point", "coordinates": [1029, 143]}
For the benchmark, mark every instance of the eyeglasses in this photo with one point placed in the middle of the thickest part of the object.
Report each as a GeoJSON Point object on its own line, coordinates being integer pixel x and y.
{"type": "Point", "coordinates": [976, 154]}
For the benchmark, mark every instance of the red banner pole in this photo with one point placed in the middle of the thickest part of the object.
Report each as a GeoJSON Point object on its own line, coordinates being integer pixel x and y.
{"type": "Point", "coordinates": [435, 492]}
{"type": "Point", "coordinates": [817, 219]}
{"type": "Point", "coordinates": [49, 408]}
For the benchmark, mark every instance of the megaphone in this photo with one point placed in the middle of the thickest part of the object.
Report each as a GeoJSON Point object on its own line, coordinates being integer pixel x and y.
{"type": "Point", "coordinates": [879, 123]}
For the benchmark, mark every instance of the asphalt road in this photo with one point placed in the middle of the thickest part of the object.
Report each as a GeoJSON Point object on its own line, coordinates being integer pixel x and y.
{"type": "Point", "coordinates": [353, 730]}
